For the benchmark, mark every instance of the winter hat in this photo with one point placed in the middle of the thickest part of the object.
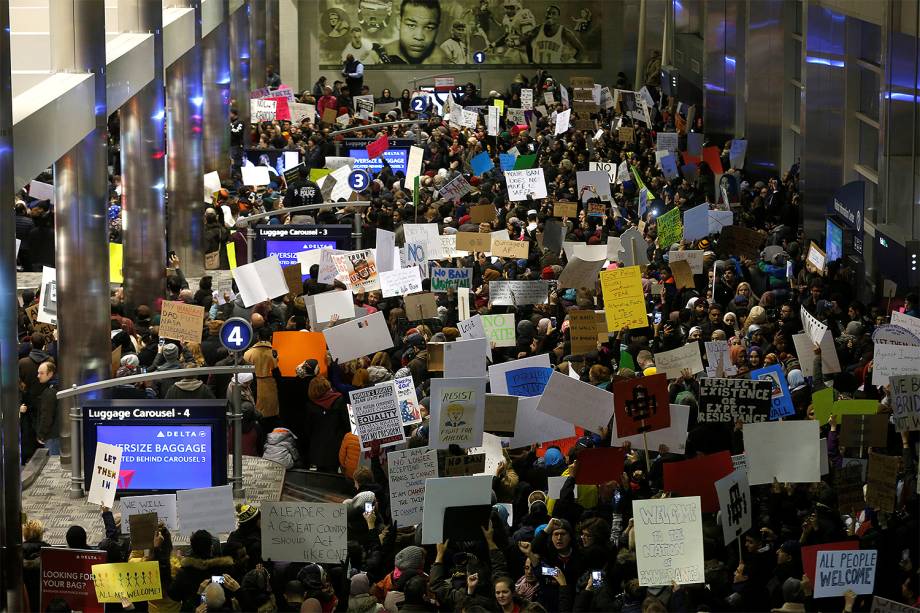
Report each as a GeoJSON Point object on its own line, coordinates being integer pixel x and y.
{"type": "Point", "coordinates": [553, 457]}
{"type": "Point", "coordinates": [307, 368]}
{"type": "Point", "coordinates": [360, 499]}
{"type": "Point", "coordinates": [130, 361]}
{"type": "Point", "coordinates": [170, 352]}
{"type": "Point", "coordinates": [360, 585]}
{"type": "Point", "coordinates": [410, 558]}
{"type": "Point", "coordinates": [402, 372]}
{"type": "Point", "coordinates": [651, 370]}
{"type": "Point", "coordinates": [378, 374]}
{"type": "Point", "coordinates": [246, 513]}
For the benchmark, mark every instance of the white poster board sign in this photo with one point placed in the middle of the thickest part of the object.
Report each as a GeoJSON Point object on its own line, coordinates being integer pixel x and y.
{"type": "Point", "coordinates": [105, 475]}
{"type": "Point", "coordinates": [839, 571]}
{"type": "Point", "coordinates": [669, 541]}
{"type": "Point", "coordinates": [524, 183]}
{"type": "Point", "coordinates": [407, 470]}
{"type": "Point", "coordinates": [735, 505]}
{"type": "Point", "coordinates": [208, 508]}
{"type": "Point", "coordinates": [304, 532]}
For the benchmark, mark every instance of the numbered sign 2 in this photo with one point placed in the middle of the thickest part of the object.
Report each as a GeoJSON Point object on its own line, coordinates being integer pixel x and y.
{"type": "Point", "coordinates": [418, 104]}
{"type": "Point", "coordinates": [358, 180]}
{"type": "Point", "coordinates": [235, 334]}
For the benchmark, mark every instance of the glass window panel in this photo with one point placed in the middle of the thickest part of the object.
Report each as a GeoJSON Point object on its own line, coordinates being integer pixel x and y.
{"type": "Point", "coordinates": [868, 93]}
{"type": "Point", "coordinates": [868, 146]}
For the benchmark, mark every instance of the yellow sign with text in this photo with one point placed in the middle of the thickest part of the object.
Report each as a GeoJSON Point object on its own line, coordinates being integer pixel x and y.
{"type": "Point", "coordinates": [624, 300]}
{"type": "Point", "coordinates": [136, 581]}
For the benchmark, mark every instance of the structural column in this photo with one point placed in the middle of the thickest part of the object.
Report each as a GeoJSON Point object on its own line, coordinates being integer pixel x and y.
{"type": "Point", "coordinates": [239, 62]}
{"type": "Point", "coordinates": [81, 223]}
{"type": "Point", "coordinates": [215, 63]}
{"type": "Point", "coordinates": [185, 187]}
{"type": "Point", "coordinates": [143, 169]}
{"type": "Point", "coordinates": [10, 482]}
{"type": "Point", "coordinates": [257, 59]}
{"type": "Point", "coordinates": [272, 35]}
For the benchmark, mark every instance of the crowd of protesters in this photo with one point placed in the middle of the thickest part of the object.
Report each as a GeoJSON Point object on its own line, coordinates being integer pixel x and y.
{"type": "Point", "coordinates": [302, 421]}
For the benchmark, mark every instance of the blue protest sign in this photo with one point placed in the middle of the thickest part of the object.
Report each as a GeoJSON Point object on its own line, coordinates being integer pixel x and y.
{"type": "Point", "coordinates": [529, 381]}
{"type": "Point", "coordinates": [506, 161]}
{"type": "Point", "coordinates": [481, 164]}
{"type": "Point", "coordinates": [781, 398]}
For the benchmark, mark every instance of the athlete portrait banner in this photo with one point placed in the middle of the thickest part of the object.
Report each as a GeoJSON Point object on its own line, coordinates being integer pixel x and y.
{"type": "Point", "coordinates": [393, 33]}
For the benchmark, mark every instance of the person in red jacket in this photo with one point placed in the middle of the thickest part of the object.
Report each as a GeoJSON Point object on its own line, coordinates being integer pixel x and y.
{"type": "Point", "coordinates": [327, 101]}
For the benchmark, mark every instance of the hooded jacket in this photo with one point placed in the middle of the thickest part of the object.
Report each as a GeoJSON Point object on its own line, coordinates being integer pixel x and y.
{"type": "Point", "coordinates": [28, 372]}
{"type": "Point", "coordinates": [327, 425]}
{"type": "Point", "coordinates": [192, 571]}
{"type": "Point", "coordinates": [189, 389]}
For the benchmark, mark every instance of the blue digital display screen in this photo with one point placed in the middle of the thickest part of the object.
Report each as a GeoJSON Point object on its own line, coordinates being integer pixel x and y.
{"type": "Point", "coordinates": [159, 457]}
{"type": "Point", "coordinates": [287, 250]}
{"type": "Point", "coordinates": [397, 158]}
{"type": "Point", "coordinates": [833, 245]}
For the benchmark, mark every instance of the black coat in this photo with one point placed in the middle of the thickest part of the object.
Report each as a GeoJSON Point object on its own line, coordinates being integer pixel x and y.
{"type": "Point", "coordinates": [48, 425]}
{"type": "Point", "coordinates": [192, 571]}
{"type": "Point", "coordinates": [326, 428]}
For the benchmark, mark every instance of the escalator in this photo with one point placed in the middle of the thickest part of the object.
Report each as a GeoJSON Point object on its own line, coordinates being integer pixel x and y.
{"type": "Point", "coordinates": [313, 486]}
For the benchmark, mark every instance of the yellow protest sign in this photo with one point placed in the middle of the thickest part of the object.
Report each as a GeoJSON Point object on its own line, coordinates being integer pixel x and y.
{"type": "Point", "coordinates": [231, 254]}
{"type": "Point", "coordinates": [116, 256]}
{"type": "Point", "coordinates": [136, 581]}
{"type": "Point", "coordinates": [318, 173]}
{"type": "Point", "coordinates": [501, 106]}
{"type": "Point", "coordinates": [624, 301]}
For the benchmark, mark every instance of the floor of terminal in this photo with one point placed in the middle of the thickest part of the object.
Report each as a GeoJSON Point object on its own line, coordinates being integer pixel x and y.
{"type": "Point", "coordinates": [48, 499]}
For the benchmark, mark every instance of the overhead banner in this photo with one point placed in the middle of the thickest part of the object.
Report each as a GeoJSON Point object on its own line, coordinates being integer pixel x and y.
{"type": "Point", "coordinates": [444, 34]}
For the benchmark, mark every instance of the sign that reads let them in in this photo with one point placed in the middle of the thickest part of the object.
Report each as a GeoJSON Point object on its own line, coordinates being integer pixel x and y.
{"type": "Point", "coordinates": [182, 322]}
{"type": "Point", "coordinates": [304, 532]}
{"type": "Point", "coordinates": [105, 475]}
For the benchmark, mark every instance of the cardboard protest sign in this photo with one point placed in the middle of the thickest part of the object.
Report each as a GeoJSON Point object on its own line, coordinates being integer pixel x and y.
{"type": "Point", "coordinates": [848, 482]}
{"type": "Point", "coordinates": [697, 476]}
{"type": "Point", "coordinates": [839, 571]}
{"type": "Point", "coordinates": [683, 276]}
{"type": "Point", "coordinates": [579, 273]}
{"type": "Point", "coordinates": [816, 259]}
{"type": "Point", "coordinates": [464, 465]}
{"type": "Point", "coordinates": [304, 532]}
{"type": "Point", "coordinates": [295, 347]}
{"type": "Point", "coordinates": [864, 430]}
{"type": "Point", "coordinates": [445, 492]}
{"type": "Point", "coordinates": [525, 183]}
{"type": "Point", "coordinates": [565, 209]}
{"type": "Point", "coordinates": [624, 299]}
{"type": "Point", "coordinates": [483, 213]}
{"type": "Point", "coordinates": [143, 527]}
{"type": "Point", "coordinates": [906, 402]}
{"type": "Point", "coordinates": [500, 414]}
{"type": "Point", "coordinates": [780, 397]}
{"type": "Point", "coordinates": [421, 306]}
{"type": "Point", "coordinates": [576, 402]}
{"type": "Point", "coordinates": [500, 329]}
{"type": "Point", "coordinates": [407, 471]}
{"type": "Point", "coordinates": [785, 450]}
{"type": "Point", "coordinates": [474, 241]}
{"type": "Point", "coordinates": [583, 331]}
{"type": "Point", "coordinates": [457, 412]}
{"type": "Point", "coordinates": [134, 581]}
{"type": "Point", "coordinates": [739, 241]}
{"type": "Point", "coordinates": [377, 415]}
{"type": "Point", "coordinates": [401, 281]}
{"type": "Point", "coordinates": [669, 541]}
{"type": "Point", "coordinates": [641, 405]}
{"type": "Point", "coordinates": [599, 465]}
{"type": "Point", "coordinates": [735, 504]}
{"type": "Point", "coordinates": [673, 363]}
{"type": "Point", "coordinates": [105, 475]}
{"type": "Point", "coordinates": [510, 249]}
{"type": "Point", "coordinates": [68, 574]}
{"type": "Point", "coordinates": [208, 508]}
{"type": "Point", "coordinates": [729, 400]}
{"type": "Point", "coordinates": [882, 482]}
{"type": "Point", "coordinates": [181, 321]}
{"type": "Point", "coordinates": [518, 293]}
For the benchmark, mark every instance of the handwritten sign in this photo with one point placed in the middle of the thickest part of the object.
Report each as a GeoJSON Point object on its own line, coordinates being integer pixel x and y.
{"type": "Point", "coordinates": [839, 571]}
{"type": "Point", "coordinates": [501, 412]}
{"type": "Point", "coordinates": [528, 381]}
{"type": "Point", "coordinates": [457, 410]}
{"type": "Point", "coordinates": [377, 415]}
{"type": "Point", "coordinates": [135, 581]}
{"type": "Point", "coordinates": [464, 465]}
{"type": "Point", "coordinates": [565, 209]}
{"type": "Point", "coordinates": [407, 471]}
{"type": "Point", "coordinates": [906, 391]}
{"type": "Point", "coordinates": [304, 532]}
{"type": "Point", "coordinates": [510, 249]}
{"type": "Point", "coordinates": [669, 541]}
{"type": "Point", "coordinates": [624, 300]}
{"type": "Point", "coordinates": [729, 400]}
{"type": "Point", "coordinates": [443, 279]}
{"type": "Point", "coordinates": [882, 482]}
{"type": "Point", "coordinates": [735, 503]}
{"type": "Point", "coordinates": [474, 241]}
{"type": "Point", "coordinates": [401, 281]}
{"type": "Point", "coordinates": [105, 475]}
{"type": "Point", "coordinates": [207, 508]}
{"type": "Point", "coordinates": [517, 293]}
{"type": "Point", "coordinates": [500, 329]}
{"type": "Point", "coordinates": [181, 321]}
{"type": "Point", "coordinates": [524, 183]}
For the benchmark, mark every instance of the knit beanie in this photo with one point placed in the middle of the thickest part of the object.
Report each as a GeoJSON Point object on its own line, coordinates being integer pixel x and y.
{"type": "Point", "coordinates": [360, 585]}
{"type": "Point", "coordinates": [360, 499]}
{"type": "Point", "coordinates": [170, 352]}
{"type": "Point", "coordinates": [410, 558]}
{"type": "Point", "coordinates": [378, 374]}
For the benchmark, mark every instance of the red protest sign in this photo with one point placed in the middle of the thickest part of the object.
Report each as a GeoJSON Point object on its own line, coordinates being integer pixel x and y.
{"type": "Point", "coordinates": [376, 148]}
{"type": "Point", "coordinates": [810, 554]}
{"type": "Point", "coordinates": [68, 574]}
{"type": "Point", "coordinates": [711, 157]}
{"type": "Point", "coordinates": [596, 466]}
{"type": "Point", "coordinates": [282, 110]}
{"type": "Point", "coordinates": [641, 405]}
{"type": "Point", "coordinates": [697, 477]}
{"type": "Point", "coordinates": [690, 159]}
